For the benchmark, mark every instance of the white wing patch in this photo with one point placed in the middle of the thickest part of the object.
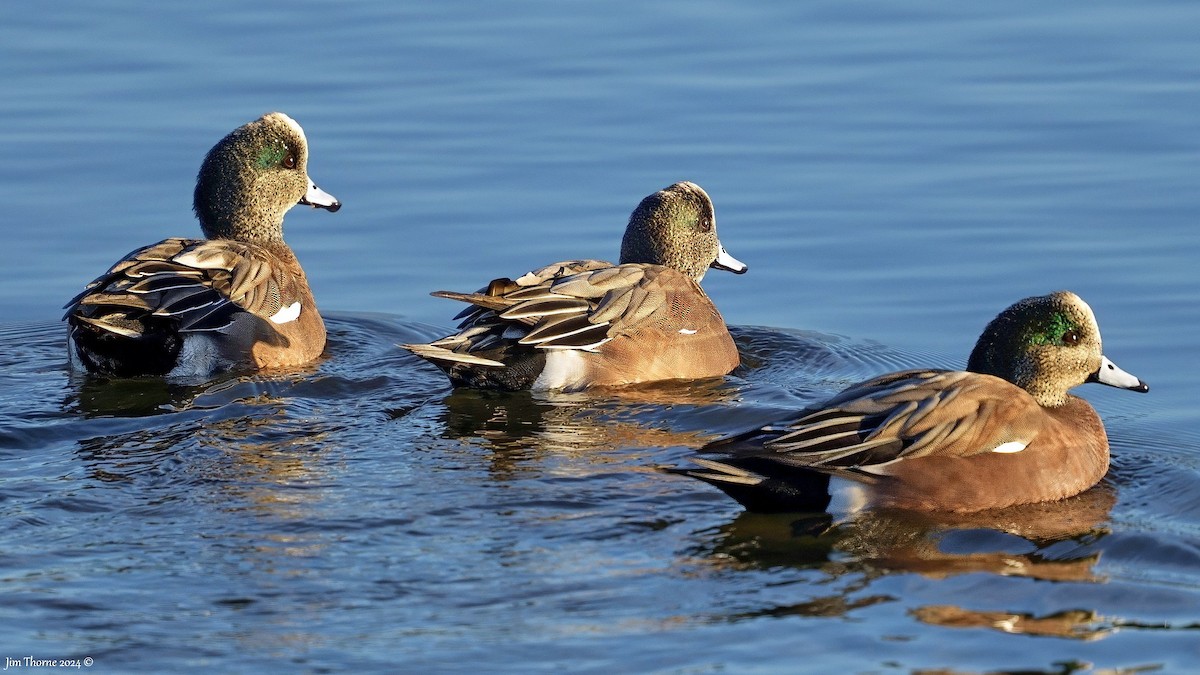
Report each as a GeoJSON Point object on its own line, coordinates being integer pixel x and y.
{"type": "Point", "coordinates": [286, 314]}
{"type": "Point", "coordinates": [687, 331]}
{"type": "Point", "coordinates": [1009, 447]}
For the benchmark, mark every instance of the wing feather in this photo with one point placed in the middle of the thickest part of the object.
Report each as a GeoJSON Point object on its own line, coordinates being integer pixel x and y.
{"type": "Point", "coordinates": [578, 304]}
{"type": "Point", "coordinates": [202, 284]}
{"type": "Point", "coordinates": [889, 418]}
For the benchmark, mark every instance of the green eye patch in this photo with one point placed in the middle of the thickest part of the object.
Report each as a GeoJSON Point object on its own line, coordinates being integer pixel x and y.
{"type": "Point", "coordinates": [1050, 331]}
{"type": "Point", "coordinates": [272, 155]}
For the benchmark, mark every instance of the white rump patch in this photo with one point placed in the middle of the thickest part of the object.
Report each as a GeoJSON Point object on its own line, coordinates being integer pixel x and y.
{"type": "Point", "coordinates": [200, 356]}
{"type": "Point", "coordinates": [564, 367]}
{"type": "Point", "coordinates": [687, 331]}
{"type": "Point", "coordinates": [73, 356]}
{"type": "Point", "coordinates": [286, 314]}
{"type": "Point", "coordinates": [1009, 447]}
{"type": "Point", "coordinates": [846, 497]}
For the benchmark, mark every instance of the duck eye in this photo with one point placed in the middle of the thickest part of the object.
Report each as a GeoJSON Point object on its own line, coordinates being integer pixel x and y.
{"type": "Point", "coordinates": [1070, 338]}
{"type": "Point", "coordinates": [289, 161]}
{"type": "Point", "coordinates": [704, 225]}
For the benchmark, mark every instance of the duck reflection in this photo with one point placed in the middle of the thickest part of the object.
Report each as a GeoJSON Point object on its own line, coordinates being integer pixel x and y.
{"type": "Point", "coordinates": [522, 426]}
{"type": "Point", "coordinates": [239, 434]}
{"type": "Point", "coordinates": [1077, 624]}
{"type": "Point", "coordinates": [97, 397]}
{"type": "Point", "coordinates": [1053, 541]}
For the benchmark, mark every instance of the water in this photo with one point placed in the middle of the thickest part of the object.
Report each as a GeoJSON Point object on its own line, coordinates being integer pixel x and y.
{"type": "Point", "coordinates": [894, 176]}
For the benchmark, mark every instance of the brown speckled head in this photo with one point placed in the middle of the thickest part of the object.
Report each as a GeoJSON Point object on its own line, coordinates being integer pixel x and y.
{"type": "Point", "coordinates": [1046, 345]}
{"type": "Point", "coordinates": [252, 177]}
{"type": "Point", "coordinates": [677, 227]}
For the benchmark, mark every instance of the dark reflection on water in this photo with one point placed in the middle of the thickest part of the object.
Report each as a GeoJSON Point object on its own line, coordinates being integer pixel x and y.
{"type": "Point", "coordinates": [127, 398]}
{"type": "Point", "coordinates": [558, 422]}
{"type": "Point", "coordinates": [1043, 541]}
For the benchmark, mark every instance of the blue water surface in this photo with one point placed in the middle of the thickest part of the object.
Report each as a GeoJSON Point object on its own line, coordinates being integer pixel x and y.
{"type": "Point", "coordinates": [894, 175]}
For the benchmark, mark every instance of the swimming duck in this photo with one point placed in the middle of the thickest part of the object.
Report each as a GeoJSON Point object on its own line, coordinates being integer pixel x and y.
{"type": "Point", "coordinates": [236, 299]}
{"type": "Point", "coordinates": [1001, 433]}
{"type": "Point", "coordinates": [585, 323]}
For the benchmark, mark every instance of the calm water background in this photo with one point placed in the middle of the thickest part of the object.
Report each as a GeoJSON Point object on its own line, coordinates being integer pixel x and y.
{"type": "Point", "coordinates": [893, 174]}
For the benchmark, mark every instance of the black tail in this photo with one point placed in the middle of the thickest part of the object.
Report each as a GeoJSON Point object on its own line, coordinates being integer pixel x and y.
{"type": "Point", "coordinates": [750, 482]}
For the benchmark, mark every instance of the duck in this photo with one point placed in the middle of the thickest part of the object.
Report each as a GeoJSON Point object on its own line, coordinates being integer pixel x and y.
{"type": "Point", "coordinates": [1004, 432]}
{"type": "Point", "coordinates": [238, 298]}
{"type": "Point", "coordinates": [578, 324]}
